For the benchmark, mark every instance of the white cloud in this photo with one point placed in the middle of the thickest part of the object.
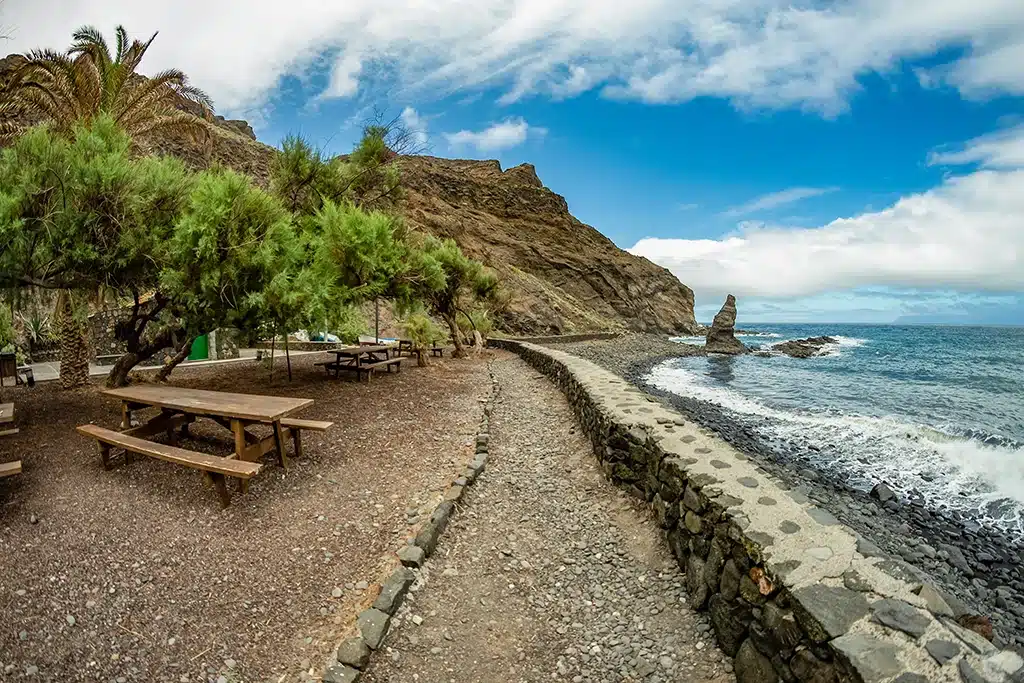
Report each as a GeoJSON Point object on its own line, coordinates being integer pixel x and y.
{"type": "Point", "coordinates": [416, 126]}
{"type": "Point", "coordinates": [344, 77]}
{"type": "Point", "coordinates": [964, 234]}
{"type": "Point", "coordinates": [776, 199]}
{"type": "Point", "coordinates": [759, 53]}
{"type": "Point", "coordinates": [504, 135]}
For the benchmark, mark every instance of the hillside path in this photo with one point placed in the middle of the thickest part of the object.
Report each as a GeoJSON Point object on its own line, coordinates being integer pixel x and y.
{"type": "Point", "coordinates": [547, 572]}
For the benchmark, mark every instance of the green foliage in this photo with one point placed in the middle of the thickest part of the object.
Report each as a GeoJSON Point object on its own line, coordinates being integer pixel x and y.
{"type": "Point", "coordinates": [478, 319]}
{"type": "Point", "coordinates": [6, 327]}
{"type": "Point", "coordinates": [422, 330]}
{"type": "Point", "coordinates": [82, 213]}
{"type": "Point", "coordinates": [37, 328]}
{"type": "Point", "coordinates": [232, 256]}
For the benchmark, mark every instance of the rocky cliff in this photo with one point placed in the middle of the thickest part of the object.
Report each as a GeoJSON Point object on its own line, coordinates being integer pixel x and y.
{"type": "Point", "coordinates": [563, 275]}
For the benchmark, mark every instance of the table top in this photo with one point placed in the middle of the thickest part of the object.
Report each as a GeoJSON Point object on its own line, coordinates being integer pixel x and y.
{"type": "Point", "coordinates": [220, 403]}
{"type": "Point", "coordinates": [354, 350]}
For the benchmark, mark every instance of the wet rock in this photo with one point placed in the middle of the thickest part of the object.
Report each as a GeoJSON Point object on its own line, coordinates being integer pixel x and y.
{"type": "Point", "coordinates": [803, 348]}
{"type": "Point", "coordinates": [881, 492]}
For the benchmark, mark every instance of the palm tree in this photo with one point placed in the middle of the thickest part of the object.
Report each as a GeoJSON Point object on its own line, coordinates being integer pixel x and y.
{"type": "Point", "coordinates": [69, 88]}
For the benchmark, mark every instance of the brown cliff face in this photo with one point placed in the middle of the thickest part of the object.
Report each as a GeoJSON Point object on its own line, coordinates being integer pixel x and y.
{"type": "Point", "coordinates": [562, 275]}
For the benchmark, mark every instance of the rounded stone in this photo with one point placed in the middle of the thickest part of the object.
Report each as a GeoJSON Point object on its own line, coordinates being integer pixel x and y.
{"type": "Point", "coordinates": [765, 500]}
{"type": "Point", "coordinates": [749, 482]}
{"type": "Point", "coordinates": [788, 527]}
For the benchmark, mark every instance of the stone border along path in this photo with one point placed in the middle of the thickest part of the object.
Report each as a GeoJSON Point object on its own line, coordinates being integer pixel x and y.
{"type": "Point", "coordinates": [792, 594]}
{"type": "Point", "coordinates": [353, 656]}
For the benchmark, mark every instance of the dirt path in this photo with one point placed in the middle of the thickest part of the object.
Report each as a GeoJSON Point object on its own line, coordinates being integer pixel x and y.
{"type": "Point", "coordinates": [548, 572]}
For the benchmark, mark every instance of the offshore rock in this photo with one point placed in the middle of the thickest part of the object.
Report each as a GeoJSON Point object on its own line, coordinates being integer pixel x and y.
{"type": "Point", "coordinates": [721, 337]}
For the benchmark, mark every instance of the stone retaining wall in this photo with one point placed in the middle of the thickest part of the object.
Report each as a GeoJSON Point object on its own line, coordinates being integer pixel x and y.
{"type": "Point", "coordinates": [792, 594]}
{"type": "Point", "coordinates": [300, 345]}
{"type": "Point", "coordinates": [565, 338]}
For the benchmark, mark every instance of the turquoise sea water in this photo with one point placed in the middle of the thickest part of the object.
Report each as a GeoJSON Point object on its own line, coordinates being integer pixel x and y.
{"type": "Point", "coordinates": [935, 409]}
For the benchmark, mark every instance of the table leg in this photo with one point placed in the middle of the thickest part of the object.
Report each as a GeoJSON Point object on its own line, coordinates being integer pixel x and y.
{"type": "Point", "coordinates": [221, 485]}
{"type": "Point", "coordinates": [238, 428]}
{"type": "Point", "coordinates": [126, 416]}
{"type": "Point", "coordinates": [279, 438]}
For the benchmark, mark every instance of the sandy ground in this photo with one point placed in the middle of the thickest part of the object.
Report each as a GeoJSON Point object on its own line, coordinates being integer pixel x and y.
{"type": "Point", "coordinates": [136, 574]}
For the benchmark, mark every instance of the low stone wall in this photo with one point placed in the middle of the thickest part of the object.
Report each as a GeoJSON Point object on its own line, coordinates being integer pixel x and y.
{"type": "Point", "coordinates": [301, 346]}
{"type": "Point", "coordinates": [564, 338]}
{"type": "Point", "coordinates": [792, 594]}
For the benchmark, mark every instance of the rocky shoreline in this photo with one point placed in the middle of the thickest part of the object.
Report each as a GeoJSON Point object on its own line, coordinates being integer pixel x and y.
{"type": "Point", "coordinates": [981, 569]}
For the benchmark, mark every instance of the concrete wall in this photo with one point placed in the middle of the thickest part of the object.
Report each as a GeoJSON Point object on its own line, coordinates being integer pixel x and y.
{"type": "Point", "coordinates": [793, 595]}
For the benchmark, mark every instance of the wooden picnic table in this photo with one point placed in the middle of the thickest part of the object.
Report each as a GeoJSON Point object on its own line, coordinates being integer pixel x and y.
{"type": "Point", "coordinates": [6, 418]}
{"type": "Point", "coordinates": [179, 407]}
{"type": "Point", "coordinates": [361, 359]}
{"type": "Point", "coordinates": [236, 412]}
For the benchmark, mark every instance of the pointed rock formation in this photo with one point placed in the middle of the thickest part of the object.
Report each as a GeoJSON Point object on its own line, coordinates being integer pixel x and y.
{"type": "Point", "coordinates": [720, 337]}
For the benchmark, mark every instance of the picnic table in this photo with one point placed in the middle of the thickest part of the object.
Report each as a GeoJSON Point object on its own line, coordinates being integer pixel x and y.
{"type": "Point", "coordinates": [409, 346]}
{"type": "Point", "coordinates": [180, 407]}
{"type": "Point", "coordinates": [362, 359]}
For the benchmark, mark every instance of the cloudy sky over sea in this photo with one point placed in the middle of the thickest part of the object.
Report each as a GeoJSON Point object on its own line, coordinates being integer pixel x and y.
{"type": "Point", "coordinates": [847, 161]}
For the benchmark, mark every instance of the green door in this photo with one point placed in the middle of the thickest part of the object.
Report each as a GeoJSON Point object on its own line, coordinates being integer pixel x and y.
{"type": "Point", "coordinates": [200, 348]}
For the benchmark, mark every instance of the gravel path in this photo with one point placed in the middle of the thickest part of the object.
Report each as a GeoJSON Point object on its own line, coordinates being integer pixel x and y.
{"type": "Point", "coordinates": [548, 572]}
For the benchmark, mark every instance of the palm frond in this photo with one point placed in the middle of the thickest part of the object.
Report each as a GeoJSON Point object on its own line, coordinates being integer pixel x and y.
{"type": "Point", "coordinates": [90, 41]}
{"type": "Point", "coordinates": [122, 43]}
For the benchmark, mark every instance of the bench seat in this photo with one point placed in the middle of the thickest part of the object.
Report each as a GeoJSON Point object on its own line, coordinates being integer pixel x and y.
{"type": "Point", "coordinates": [8, 469]}
{"type": "Point", "coordinates": [217, 467]}
{"type": "Point", "coordinates": [312, 425]}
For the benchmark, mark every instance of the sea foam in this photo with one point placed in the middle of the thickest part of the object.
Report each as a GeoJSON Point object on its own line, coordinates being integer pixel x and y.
{"type": "Point", "coordinates": [949, 470]}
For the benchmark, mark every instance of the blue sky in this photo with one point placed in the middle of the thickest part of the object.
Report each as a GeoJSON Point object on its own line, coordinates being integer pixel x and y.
{"type": "Point", "coordinates": [845, 161]}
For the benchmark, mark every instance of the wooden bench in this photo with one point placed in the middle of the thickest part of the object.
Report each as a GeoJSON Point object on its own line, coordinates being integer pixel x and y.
{"type": "Point", "coordinates": [8, 469]}
{"type": "Point", "coordinates": [370, 368]}
{"type": "Point", "coordinates": [296, 426]}
{"type": "Point", "coordinates": [364, 369]}
{"type": "Point", "coordinates": [215, 466]}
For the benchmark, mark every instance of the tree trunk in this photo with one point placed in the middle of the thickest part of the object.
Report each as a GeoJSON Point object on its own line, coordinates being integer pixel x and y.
{"type": "Point", "coordinates": [177, 360]}
{"type": "Point", "coordinates": [139, 350]}
{"type": "Point", "coordinates": [118, 375]}
{"type": "Point", "coordinates": [74, 345]}
{"type": "Point", "coordinates": [288, 356]}
{"type": "Point", "coordinates": [453, 327]}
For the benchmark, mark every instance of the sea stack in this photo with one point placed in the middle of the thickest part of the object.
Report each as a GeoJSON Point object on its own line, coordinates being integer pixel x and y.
{"type": "Point", "coordinates": [720, 337]}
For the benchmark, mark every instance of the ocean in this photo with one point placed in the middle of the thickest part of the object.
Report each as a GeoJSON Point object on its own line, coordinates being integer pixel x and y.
{"type": "Point", "coordinates": [937, 412]}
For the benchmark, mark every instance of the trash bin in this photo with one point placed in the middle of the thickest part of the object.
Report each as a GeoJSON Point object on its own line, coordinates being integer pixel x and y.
{"type": "Point", "coordinates": [200, 348]}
